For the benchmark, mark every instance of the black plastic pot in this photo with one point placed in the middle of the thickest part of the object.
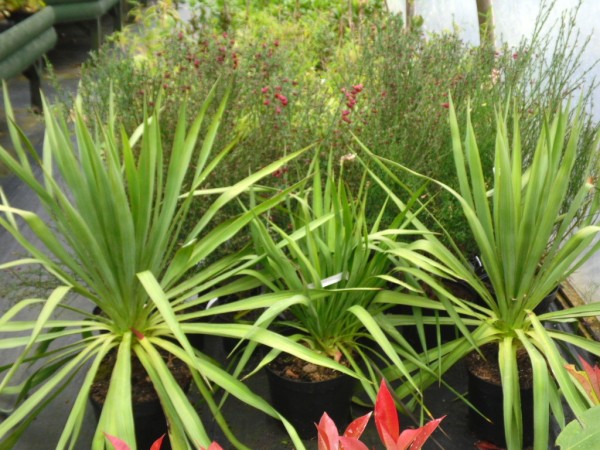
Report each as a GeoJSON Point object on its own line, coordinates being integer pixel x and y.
{"type": "Point", "coordinates": [149, 419]}
{"type": "Point", "coordinates": [546, 304]}
{"type": "Point", "coordinates": [150, 423]}
{"type": "Point", "coordinates": [303, 403]}
{"type": "Point", "coordinates": [487, 398]}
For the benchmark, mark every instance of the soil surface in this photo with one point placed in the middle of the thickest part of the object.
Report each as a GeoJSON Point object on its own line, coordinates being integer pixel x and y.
{"type": "Point", "coordinates": [289, 366]}
{"type": "Point", "coordinates": [486, 367]}
{"type": "Point", "coordinates": [142, 388]}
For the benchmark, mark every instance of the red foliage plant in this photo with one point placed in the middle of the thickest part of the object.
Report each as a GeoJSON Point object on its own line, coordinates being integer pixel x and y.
{"type": "Point", "coordinates": [388, 427]}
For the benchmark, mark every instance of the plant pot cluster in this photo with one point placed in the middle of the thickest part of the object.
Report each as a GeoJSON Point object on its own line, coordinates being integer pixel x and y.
{"type": "Point", "coordinates": [486, 419]}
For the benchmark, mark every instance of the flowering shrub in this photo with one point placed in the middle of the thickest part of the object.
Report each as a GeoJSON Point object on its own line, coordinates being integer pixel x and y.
{"type": "Point", "coordinates": [407, 77]}
{"type": "Point", "coordinates": [299, 80]}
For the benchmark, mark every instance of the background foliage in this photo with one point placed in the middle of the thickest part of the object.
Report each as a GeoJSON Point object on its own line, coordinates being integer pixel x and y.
{"type": "Point", "coordinates": [306, 72]}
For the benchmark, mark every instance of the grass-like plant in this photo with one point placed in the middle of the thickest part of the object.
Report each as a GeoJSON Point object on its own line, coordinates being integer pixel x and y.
{"type": "Point", "coordinates": [523, 227]}
{"type": "Point", "coordinates": [330, 264]}
{"type": "Point", "coordinates": [115, 205]}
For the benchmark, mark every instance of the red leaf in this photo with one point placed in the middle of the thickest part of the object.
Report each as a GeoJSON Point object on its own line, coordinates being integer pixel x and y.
{"type": "Point", "coordinates": [322, 442]}
{"type": "Point", "coordinates": [484, 445]}
{"type": "Point", "coordinates": [214, 446]}
{"type": "Point", "coordinates": [139, 334]}
{"type": "Point", "coordinates": [117, 443]}
{"type": "Point", "coordinates": [424, 433]}
{"type": "Point", "coordinates": [593, 374]}
{"type": "Point", "coordinates": [386, 417]}
{"type": "Point", "coordinates": [407, 438]}
{"type": "Point", "coordinates": [157, 443]}
{"type": "Point", "coordinates": [388, 442]}
{"type": "Point", "coordinates": [348, 443]}
{"type": "Point", "coordinates": [356, 428]}
{"type": "Point", "coordinates": [328, 435]}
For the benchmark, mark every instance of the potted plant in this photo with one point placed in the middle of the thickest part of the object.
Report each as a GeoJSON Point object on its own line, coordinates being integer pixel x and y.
{"type": "Point", "coordinates": [388, 428]}
{"type": "Point", "coordinates": [331, 266]}
{"type": "Point", "coordinates": [115, 206]}
{"type": "Point", "coordinates": [523, 229]}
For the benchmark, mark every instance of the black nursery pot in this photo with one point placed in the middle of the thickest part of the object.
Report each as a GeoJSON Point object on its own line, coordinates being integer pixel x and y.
{"type": "Point", "coordinates": [148, 415]}
{"type": "Point", "coordinates": [303, 403]}
{"type": "Point", "coordinates": [150, 423]}
{"type": "Point", "coordinates": [488, 399]}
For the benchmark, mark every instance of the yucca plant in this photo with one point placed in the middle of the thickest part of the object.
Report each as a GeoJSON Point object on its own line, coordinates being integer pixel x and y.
{"type": "Point", "coordinates": [330, 265]}
{"type": "Point", "coordinates": [116, 205]}
{"type": "Point", "coordinates": [523, 228]}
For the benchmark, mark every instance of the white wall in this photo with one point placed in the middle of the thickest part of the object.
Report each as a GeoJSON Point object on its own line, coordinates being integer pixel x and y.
{"type": "Point", "coordinates": [514, 20]}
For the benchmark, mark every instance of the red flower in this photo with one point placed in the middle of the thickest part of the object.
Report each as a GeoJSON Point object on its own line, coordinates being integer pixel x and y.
{"type": "Point", "coordinates": [265, 89]}
{"type": "Point", "coordinates": [357, 88]}
{"type": "Point", "coordinates": [282, 98]}
{"type": "Point", "coordinates": [267, 102]}
{"type": "Point", "coordinates": [515, 55]}
{"type": "Point", "coordinates": [445, 105]}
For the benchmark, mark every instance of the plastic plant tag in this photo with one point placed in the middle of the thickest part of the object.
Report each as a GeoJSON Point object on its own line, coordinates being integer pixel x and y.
{"type": "Point", "coordinates": [331, 280]}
